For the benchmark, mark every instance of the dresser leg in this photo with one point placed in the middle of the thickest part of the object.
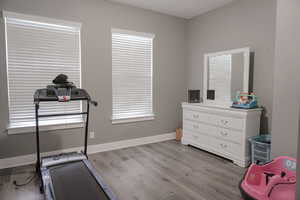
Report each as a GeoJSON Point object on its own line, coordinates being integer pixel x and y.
{"type": "Point", "coordinates": [241, 163]}
{"type": "Point", "coordinates": [184, 142]}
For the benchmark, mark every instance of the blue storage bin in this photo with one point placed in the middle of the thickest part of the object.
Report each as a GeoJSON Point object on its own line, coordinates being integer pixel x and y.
{"type": "Point", "coordinates": [260, 149]}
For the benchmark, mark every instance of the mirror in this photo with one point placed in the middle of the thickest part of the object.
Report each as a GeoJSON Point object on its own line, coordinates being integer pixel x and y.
{"type": "Point", "coordinates": [226, 73]}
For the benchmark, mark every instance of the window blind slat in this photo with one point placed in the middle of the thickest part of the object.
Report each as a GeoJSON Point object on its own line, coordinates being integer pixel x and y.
{"type": "Point", "coordinates": [131, 75]}
{"type": "Point", "coordinates": [36, 53]}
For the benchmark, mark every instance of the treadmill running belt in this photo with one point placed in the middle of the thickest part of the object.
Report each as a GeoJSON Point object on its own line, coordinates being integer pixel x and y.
{"type": "Point", "coordinates": [73, 181]}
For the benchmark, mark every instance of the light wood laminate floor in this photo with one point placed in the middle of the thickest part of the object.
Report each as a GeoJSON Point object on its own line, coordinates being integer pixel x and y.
{"type": "Point", "coordinates": [161, 171]}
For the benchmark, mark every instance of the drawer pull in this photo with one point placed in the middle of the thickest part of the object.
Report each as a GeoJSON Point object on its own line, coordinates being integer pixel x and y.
{"type": "Point", "coordinates": [224, 146]}
{"type": "Point", "coordinates": [224, 122]}
{"type": "Point", "coordinates": [224, 133]}
{"type": "Point", "coordinates": [196, 126]}
{"type": "Point", "coordinates": [195, 116]}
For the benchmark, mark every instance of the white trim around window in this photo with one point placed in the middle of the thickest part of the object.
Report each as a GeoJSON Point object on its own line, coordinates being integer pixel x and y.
{"type": "Point", "coordinates": [44, 126]}
{"type": "Point", "coordinates": [133, 33]}
{"type": "Point", "coordinates": [43, 20]}
{"type": "Point", "coordinates": [133, 119]}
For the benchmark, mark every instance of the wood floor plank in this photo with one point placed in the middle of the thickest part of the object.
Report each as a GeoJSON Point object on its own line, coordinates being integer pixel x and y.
{"type": "Point", "coordinates": [196, 177]}
{"type": "Point", "coordinates": [165, 185]}
{"type": "Point", "coordinates": [160, 171]}
{"type": "Point", "coordinates": [8, 191]}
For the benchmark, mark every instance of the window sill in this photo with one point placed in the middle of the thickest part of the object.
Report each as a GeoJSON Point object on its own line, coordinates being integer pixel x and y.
{"type": "Point", "coordinates": [44, 126]}
{"type": "Point", "coordinates": [132, 119]}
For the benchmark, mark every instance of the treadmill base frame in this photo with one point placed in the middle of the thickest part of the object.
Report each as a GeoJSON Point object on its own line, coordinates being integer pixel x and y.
{"type": "Point", "coordinates": [61, 159]}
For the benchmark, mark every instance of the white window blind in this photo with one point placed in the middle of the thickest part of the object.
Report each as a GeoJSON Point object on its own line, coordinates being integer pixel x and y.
{"type": "Point", "coordinates": [131, 74]}
{"type": "Point", "coordinates": [37, 51]}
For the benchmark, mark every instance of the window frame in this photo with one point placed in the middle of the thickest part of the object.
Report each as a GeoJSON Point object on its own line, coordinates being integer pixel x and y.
{"type": "Point", "coordinates": [14, 128]}
{"type": "Point", "coordinates": [138, 118]}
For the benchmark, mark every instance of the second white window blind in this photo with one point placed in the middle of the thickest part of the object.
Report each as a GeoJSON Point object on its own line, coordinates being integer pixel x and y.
{"type": "Point", "coordinates": [131, 74]}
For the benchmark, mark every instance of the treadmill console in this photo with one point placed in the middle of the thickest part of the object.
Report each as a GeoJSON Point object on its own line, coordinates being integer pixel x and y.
{"type": "Point", "coordinates": [60, 94]}
{"type": "Point", "coordinates": [63, 91]}
{"type": "Point", "coordinates": [63, 94]}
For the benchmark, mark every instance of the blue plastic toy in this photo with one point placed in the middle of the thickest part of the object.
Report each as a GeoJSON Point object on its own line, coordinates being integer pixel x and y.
{"type": "Point", "coordinates": [245, 101]}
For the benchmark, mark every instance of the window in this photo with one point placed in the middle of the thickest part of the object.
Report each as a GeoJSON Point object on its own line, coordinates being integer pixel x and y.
{"type": "Point", "coordinates": [38, 49]}
{"type": "Point", "coordinates": [131, 76]}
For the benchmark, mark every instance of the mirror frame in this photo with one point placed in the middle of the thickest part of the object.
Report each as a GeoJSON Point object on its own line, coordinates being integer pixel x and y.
{"type": "Point", "coordinates": [246, 53]}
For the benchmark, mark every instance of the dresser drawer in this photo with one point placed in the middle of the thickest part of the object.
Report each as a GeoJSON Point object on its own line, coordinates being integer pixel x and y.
{"type": "Point", "coordinates": [226, 147]}
{"type": "Point", "coordinates": [213, 131]}
{"type": "Point", "coordinates": [213, 144]}
{"type": "Point", "coordinates": [196, 138]}
{"type": "Point", "coordinates": [196, 116]}
{"type": "Point", "coordinates": [219, 120]}
{"type": "Point", "coordinates": [229, 122]}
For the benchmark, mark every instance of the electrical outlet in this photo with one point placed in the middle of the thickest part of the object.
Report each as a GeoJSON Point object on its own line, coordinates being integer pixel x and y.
{"type": "Point", "coordinates": [92, 134]}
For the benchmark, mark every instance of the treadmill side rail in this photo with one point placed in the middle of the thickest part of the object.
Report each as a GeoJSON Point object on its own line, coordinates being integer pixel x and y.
{"type": "Point", "coordinates": [100, 181]}
{"type": "Point", "coordinates": [47, 184]}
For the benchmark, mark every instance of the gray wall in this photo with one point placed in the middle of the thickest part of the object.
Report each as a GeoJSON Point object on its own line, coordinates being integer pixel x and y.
{"type": "Point", "coordinates": [98, 17]}
{"type": "Point", "coordinates": [239, 24]}
{"type": "Point", "coordinates": [286, 109]}
{"type": "Point", "coordinates": [286, 79]}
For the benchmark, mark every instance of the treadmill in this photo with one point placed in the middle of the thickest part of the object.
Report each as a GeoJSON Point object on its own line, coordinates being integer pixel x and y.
{"type": "Point", "coordinates": [68, 176]}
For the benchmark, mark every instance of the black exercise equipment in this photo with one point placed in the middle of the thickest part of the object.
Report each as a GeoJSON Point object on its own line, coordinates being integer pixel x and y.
{"type": "Point", "coordinates": [68, 176]}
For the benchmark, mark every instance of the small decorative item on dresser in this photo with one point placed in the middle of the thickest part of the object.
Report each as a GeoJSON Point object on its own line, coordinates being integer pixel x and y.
{"type": "Point", "coordinates": [245, 100]}
{"type": "Point", "coordinates": [211, 94]}
{"type": "Point", "coordinates": [178, 134]}
{"type": "Point", "coordinates": [194, 96]}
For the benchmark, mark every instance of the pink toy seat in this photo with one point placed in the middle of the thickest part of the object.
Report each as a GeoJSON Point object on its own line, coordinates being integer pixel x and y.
{"type": "Point", "coordinates": [272, 181]}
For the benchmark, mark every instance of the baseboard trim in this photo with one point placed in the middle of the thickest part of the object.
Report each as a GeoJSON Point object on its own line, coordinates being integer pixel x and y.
{"type": "Point", "coordinates": [31, 158]}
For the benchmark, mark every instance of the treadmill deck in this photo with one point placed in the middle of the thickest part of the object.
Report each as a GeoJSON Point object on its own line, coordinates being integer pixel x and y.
{"type": "Point", "coordinates": [73, 181]}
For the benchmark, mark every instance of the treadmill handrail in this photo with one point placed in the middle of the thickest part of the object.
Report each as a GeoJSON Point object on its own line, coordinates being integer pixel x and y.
{"type": "Point", "coordinates": [62, 114]}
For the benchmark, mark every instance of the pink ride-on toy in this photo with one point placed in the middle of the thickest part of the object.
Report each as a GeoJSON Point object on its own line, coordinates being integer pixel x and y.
{"type": "Point", "coordinates": [275, 180]}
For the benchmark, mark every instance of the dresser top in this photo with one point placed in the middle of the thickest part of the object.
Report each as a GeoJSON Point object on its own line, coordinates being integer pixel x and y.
{"type": "Point", "coordinates": [218, 107]}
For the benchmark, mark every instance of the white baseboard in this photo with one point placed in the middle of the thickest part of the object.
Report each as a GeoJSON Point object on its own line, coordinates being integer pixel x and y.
{"type": "Point", "coordinates": [31, 158]}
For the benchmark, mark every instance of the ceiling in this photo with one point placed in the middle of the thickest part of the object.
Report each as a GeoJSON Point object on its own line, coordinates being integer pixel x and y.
{"type": "Point", "coordinates": [181, 8]}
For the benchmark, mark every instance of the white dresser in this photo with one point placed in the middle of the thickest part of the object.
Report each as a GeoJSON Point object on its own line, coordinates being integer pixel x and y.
{"type": "Point", "coordinates": [220, 130]}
